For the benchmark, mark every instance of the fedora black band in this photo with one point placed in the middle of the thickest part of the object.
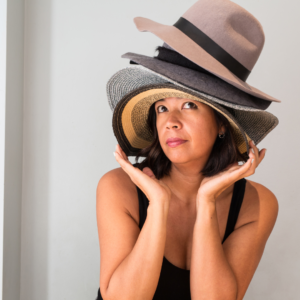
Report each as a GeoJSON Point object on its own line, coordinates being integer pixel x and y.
{"type": "Point", "coordinates": [176, 58]}
{"type": "Point", "coordinates": [211, 47]}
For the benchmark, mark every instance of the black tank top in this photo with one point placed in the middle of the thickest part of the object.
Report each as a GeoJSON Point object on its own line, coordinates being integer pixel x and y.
{"type": "Point", "coordinates": [174, 282]}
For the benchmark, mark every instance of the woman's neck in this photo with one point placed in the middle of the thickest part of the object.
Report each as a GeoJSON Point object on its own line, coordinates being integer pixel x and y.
{"type": "Point", "coordinates": [184, 181]}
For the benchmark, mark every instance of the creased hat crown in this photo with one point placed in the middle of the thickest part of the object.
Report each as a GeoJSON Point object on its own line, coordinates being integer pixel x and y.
{"type": "Point", "coordinates": [220, 36]}
{"type": "Point", "coordinates": [231, 26]}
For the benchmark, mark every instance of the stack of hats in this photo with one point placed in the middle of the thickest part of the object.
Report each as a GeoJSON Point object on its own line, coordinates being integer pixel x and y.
{"type": "Point", "coordinates": [207, 56]}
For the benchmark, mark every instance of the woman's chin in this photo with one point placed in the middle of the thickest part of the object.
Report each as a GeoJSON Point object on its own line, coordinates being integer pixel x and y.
{"type": "Point", "coordinates": [179, 157]}
{"type": "Point", "coordinates": [180, 154]}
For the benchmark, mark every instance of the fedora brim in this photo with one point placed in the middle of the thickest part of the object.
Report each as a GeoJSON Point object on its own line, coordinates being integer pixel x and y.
{"type": "Point", "coordinates": [188, 48]}
{"type": "Point", "coordinates": [130, 97]}
{"type": "Point", "coordinates": [199, 81]}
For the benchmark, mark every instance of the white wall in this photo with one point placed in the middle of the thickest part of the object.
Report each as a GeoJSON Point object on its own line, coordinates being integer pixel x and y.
{"type": "Point", "coordinates": [71, 50]}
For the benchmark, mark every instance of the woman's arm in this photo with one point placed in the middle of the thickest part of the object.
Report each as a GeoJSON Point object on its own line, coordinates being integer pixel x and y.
{"type": "Point", "coordinates": [211, 275]}
{"type": "Point", "coordinates": [130, 260]}
{"type": "Point", "coordinates": [225, 271]}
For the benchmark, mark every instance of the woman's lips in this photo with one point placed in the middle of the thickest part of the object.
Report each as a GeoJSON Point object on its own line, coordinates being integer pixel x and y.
{"type": "Point", "coordinates": [176, 143]}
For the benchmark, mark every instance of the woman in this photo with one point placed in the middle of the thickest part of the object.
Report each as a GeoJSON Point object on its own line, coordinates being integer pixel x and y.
{"type": "Point", "coordinates": [184, 223]}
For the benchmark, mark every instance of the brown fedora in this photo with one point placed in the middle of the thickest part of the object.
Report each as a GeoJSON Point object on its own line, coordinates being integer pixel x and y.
{"type": "Point", "coordinates": [218, 35]}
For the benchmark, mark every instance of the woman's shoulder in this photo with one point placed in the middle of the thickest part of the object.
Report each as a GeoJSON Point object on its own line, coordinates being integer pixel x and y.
{"type": "Point", "coordinates": [118, 188]}
{"type": "Point", "coordinates": [118, 178]}
{"type": "Point", "coordinates": [259, 204]}
{"type": "Point", "coordinates": [263, 194]}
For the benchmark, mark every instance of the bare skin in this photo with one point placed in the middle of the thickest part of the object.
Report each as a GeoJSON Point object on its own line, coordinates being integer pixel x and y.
{"type": "Point", "coordinates": [186, 195]}
{"type": "Point", "coordinates": [181, 218]}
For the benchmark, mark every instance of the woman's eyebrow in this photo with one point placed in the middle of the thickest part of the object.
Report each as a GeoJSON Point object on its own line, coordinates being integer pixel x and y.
{"type": "Point", "coordinates": [165, 99]}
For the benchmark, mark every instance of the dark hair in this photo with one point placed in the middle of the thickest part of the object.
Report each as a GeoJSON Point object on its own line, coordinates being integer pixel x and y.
{"type": "Point", "coordinates": [224, 151]}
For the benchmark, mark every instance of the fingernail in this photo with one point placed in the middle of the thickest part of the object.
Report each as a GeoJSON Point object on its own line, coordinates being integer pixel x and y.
{"type": "Point", "coordinates": [114, 154]}
{"type": "Point", "coordinates": [252, 150]}
{"type": "Point", "coordinates": [252, 161]}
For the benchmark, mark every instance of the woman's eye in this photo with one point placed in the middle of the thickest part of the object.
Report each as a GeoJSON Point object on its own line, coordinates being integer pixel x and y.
{"type": "Point", "coordinates": [193, 105]}
{"type": "Point", "coordinates": [161, 106]}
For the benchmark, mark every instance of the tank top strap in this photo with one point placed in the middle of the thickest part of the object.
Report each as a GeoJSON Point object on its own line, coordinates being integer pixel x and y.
{"type": "Point", "coordinates": [143, 203]}
{"type": "Point", "coordinates": [235, 206]}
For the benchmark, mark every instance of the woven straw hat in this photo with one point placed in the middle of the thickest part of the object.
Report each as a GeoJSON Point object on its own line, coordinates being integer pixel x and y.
{"type": "Point", "coordinates": [132, 90]}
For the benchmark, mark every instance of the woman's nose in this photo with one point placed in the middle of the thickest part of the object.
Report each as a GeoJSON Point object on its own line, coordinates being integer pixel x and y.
{"type": "Point", "coordinates": [173, 121]}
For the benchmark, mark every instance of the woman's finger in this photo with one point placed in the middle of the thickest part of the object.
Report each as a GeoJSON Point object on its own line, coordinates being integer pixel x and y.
{"type": "Point", "coordinates": [149, 172]}
{"type": "Point", "coordinates": [122, 158]}
{"type": "Point", "coordinates": [135, 174]}
{"type": "Point", "coordinates": [121, 152]}
{"type": "Point", "coordinates": [232, 173]}
{"type": "Point", "coordinates": [254, 159]}
{"type": "Point", "coordinates": [232, 167]}
{"type": "Point", "coordinates": [260, 154]}
{"type": "Point", "coordinates": [242, 171]}
{"type": "Point", "coordinates": [145, 170]}
{"type": "Point", "coordinates": [145, 179]}
{"type": "Point", "coordinates": [255, 152]}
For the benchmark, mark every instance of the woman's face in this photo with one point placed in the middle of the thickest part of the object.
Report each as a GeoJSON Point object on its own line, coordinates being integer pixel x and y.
{"type": "Point", "coordinates": [189, 120]}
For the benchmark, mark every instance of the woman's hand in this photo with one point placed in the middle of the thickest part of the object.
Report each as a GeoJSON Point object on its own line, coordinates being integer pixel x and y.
{"type": "Point", "coordinates": [154, 189]}
{"type": "Point", "coordinates": [212, 187]}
